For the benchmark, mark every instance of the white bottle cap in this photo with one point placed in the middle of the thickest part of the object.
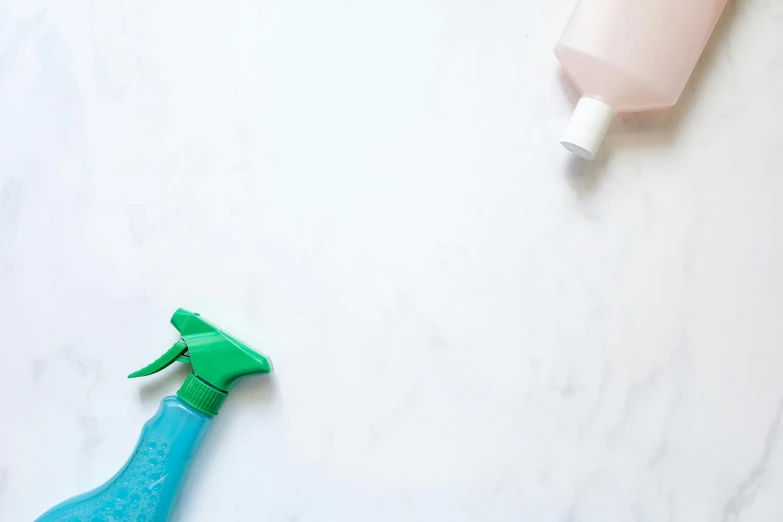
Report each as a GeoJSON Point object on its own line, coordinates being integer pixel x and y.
{"type": "Point", "coordinates": [588, 126]}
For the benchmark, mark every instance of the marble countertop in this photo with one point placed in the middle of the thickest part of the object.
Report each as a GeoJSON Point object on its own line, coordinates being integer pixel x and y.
{"type": "Point", "coordinates": [466, 323]}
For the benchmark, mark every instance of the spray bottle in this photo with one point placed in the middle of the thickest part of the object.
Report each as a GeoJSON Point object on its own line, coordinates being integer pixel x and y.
{"type": "Point", "coordinates": [146, 487]}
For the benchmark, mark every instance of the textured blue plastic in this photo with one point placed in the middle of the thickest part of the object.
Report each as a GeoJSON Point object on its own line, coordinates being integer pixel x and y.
{"type": "Point", "coordinates": [146, 488]}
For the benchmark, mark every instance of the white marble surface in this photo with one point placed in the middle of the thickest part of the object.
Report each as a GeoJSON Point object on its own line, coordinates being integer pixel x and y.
{"type": "Point", "coordinates": [466, 324]}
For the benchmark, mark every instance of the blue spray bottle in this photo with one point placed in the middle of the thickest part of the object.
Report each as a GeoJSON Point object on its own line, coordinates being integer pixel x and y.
{"type": "Point", "coordinates": [146, 487]}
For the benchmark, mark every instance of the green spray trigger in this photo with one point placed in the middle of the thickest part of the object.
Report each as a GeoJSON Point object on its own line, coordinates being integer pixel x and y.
{"type": "Point", "coordinates": [219, 361]}
{"type": "Point", "coordinates": [175, 353]}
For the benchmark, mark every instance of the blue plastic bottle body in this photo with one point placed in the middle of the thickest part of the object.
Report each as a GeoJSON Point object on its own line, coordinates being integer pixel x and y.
{"type": "Point", "coordinates": [146, 487]}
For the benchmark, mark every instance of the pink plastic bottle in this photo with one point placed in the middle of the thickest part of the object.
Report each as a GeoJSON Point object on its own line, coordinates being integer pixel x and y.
{"type": "Point", "coordinates": [629, 56]}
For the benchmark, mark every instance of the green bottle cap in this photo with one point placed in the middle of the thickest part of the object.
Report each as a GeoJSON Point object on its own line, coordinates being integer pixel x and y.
{"type": "Point", "coordinates": [219, 361]}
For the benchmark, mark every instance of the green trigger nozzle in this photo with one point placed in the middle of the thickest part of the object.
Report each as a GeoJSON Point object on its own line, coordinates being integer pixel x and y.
{"type": "Point", "coordinates": [219, 360]}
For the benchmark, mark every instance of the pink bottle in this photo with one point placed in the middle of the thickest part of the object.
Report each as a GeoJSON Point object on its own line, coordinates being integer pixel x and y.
{"type": "Point", "coordinates": [629, 56]}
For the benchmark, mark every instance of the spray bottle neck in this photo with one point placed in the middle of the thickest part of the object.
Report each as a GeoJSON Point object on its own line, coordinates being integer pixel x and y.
{"type": "Point", "coordinates": [200, 396]}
